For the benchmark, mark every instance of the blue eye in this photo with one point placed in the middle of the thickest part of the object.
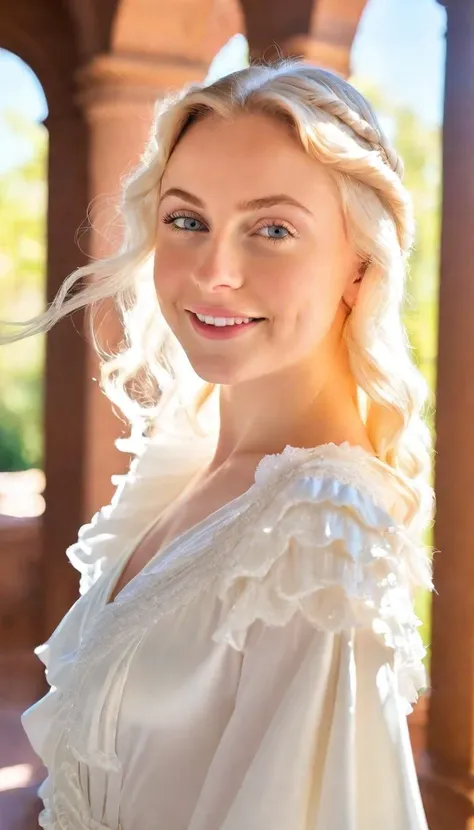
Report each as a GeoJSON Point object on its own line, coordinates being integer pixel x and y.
{"type": "Point", "coordinates": [172, 218]}
{"type": "Point", "coordinates": [283, 232]}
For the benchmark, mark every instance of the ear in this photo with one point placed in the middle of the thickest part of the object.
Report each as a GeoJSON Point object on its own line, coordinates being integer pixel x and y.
{"type": "Point", "coordinates": [353, 286]}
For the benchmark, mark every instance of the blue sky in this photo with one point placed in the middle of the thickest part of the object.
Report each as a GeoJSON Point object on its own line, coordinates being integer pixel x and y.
{"type": "Point", "coordinates": [399, 45]}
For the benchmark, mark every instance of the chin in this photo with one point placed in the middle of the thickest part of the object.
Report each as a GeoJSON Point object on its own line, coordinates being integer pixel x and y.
{"type": "Point", "coordinates": [219, 371]}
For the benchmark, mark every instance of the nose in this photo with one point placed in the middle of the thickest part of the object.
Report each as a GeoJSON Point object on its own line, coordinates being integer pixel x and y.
{"type": "Point", "coordinates": [218, 266]}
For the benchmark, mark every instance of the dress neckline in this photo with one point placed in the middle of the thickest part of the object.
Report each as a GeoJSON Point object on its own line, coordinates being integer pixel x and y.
{"type": "Point", "coordinates": [269, 465]}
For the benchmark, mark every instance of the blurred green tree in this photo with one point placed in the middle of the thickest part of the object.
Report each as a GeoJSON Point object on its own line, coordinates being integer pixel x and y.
{"type": "Point", "coordinates": [23, 202]}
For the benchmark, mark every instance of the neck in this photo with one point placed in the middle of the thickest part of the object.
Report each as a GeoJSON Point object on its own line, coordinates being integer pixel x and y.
{"type": "Point", "coordinates": [307, 405]}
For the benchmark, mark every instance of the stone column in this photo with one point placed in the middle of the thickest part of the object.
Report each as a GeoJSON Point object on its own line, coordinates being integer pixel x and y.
{"type": "Point", "coordinates": [322, 32]}
{"type": "Point", "coordinates": [448, 777]}
{"type": "Point", "coordinates": [64, 396]}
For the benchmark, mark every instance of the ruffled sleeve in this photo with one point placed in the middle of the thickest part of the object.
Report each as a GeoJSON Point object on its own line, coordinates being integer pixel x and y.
{"type": "Point", "coordinates": [318, 599]}
{"type": "Point", "coordinates": [326, 550]}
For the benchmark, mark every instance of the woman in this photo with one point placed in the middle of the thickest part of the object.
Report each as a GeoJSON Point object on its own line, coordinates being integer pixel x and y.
{"type": "Point", "coordinates": [245, 650]}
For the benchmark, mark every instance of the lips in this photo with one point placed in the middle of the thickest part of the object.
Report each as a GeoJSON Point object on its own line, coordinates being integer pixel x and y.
{"type": "Point", "coordinates": [221, 332]}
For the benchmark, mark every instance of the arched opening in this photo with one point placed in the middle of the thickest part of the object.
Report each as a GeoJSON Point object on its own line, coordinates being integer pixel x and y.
{"type": "Point", "coordinates": [23, 205]}
{"type": "Point", "coordinates": [23, 233]}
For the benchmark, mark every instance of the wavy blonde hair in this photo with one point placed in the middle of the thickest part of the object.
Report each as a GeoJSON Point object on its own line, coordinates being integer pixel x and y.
{"type": "Point", "coordinates": [150, 379]}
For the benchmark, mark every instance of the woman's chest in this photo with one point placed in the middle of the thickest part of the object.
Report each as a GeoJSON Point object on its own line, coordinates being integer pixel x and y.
{"type": "Point", "coordinates": [186, 514]}
{"type": "Point", "coordinates": [170, 525]}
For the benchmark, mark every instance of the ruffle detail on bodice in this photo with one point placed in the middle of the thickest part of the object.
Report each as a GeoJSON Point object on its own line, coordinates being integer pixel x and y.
{"type": "Point", "coordinates": [70, 811]}
{"type": "Point", "coordinates": [323, 548]}
{"type": "Point", "coordinates": [155, 477]}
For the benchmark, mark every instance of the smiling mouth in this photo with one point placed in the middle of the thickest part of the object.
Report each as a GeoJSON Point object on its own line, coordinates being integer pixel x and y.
{"type": "Point", "coordinates": [223, 330]}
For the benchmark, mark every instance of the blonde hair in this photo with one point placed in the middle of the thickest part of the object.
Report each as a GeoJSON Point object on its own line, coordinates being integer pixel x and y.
{"type": "Point", "coordinates": [334, 124]}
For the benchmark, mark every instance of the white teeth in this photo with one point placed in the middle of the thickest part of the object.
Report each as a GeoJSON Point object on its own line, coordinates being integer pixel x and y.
{"type": "Point", "coordinates": [223, 321]}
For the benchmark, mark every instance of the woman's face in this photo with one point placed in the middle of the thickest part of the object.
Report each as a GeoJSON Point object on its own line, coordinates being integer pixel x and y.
{"type": "Point", "coordinates": [250, 226]}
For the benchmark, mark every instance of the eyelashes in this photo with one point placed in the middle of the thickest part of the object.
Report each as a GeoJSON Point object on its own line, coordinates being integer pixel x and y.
{"type": "Point", "coordinates": [170, 219]}
{"type": "Point", "coordinates": [282, 226]}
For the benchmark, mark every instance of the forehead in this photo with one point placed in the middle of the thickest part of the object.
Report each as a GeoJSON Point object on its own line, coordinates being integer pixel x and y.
{"type": "Point", "coordinates": [252, 153]}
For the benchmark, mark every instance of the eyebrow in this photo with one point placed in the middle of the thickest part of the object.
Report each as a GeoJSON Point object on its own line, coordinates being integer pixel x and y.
{"type": "Point", "coordinates": [253, 204]}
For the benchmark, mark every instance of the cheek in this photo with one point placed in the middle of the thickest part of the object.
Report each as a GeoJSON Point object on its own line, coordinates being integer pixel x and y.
{"type": "Point", "coordinates": [168, 275]}
{"type": "Point", "coordinates": [304, 297]}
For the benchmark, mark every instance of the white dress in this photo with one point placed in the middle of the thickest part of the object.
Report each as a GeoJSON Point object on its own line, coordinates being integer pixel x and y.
{"type": "Point", "coordinates": [256, 674]}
